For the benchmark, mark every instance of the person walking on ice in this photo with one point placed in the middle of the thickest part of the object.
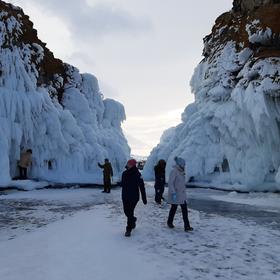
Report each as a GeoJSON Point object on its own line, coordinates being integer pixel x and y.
{"type": "Point", "coordinates": [177, 193]}
{"type": "Point", "coordinates": [107, 175]}
{"type": "Point", "coordinates": [159, 180]}
{"type": "Point", "coordinates": [131, 183]}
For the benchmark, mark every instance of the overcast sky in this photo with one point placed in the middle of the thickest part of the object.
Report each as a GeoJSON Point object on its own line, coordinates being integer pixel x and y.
{"type": "Point", "coordinates": [142, 51]}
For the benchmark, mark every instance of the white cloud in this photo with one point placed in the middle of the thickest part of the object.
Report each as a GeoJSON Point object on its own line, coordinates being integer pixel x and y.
{"type": "Point", "coordinates": [144, 132]}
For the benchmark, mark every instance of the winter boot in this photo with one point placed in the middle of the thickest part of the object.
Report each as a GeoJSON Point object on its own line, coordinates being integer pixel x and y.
{"type": "Point", "coordinates": [188, 228]}
{"type": "Point", "coordinates": [134, 223]}
{"type": "Point", "coordinates": [127, 233]}
{"type": "Point", "coordinates": [170, 225]}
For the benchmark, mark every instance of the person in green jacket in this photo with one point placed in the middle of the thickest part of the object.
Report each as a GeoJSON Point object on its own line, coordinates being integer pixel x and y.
{"type": "Point", "coordinates": [107, 175]}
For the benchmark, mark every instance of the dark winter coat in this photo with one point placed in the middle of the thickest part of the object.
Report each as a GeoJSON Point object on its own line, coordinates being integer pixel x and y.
{"type": "Point", "coordinates": [107, 170]}
{"type": "Point", "coordinates": [131, 183]}
{"type": "Point", "coordinates": [159, 176]}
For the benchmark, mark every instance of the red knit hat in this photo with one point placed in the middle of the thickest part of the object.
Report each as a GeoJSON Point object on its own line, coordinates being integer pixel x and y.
{"type": "Point", "coordinates": [132, 162]}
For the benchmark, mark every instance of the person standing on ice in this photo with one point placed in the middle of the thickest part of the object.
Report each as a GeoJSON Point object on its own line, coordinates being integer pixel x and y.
{"type": "Point", "coordinates": [24, 162]}
{"type": "Point", "coordinates": [159, 180]}
{"type": "Point", "coordinates": [131, 183]}
{"type": "Point", "coordinates": [107, 175]}
{"type": "Point", "coordinates": [177, 193]}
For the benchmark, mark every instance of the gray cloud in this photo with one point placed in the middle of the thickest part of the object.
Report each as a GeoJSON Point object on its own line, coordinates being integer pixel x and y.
{"type": "Point", "coordinates": [87, 22]}
{"type": "Point", "coordinates": [81, 58]}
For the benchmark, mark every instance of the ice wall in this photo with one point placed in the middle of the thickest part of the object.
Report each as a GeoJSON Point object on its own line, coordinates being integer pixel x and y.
{"type": "Point", "coordinates": [230, 135]}
{"type": "Point", "coordinates": [50, 107]}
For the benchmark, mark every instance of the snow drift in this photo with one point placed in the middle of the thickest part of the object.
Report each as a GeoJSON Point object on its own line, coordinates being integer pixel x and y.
{"type": "Point", "coordinates": [48, 106]}
{"type": "Point", "coordinates": [230, 135]}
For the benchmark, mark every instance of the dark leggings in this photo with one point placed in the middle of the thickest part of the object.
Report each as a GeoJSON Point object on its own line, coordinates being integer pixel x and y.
{"type": "Point", "coordinates": [107, 185]}
{"type": "Point", "coordinates": [184, 209]}
{"type": "Point", "coordinates": [22, 172]}
{"type": "Point", "coordinates": [128, 208]}
{"type": "Point", "coordinates": [159, 190]}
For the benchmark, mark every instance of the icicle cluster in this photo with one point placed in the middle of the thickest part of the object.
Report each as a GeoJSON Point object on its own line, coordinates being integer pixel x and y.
{"type": "Point", "coordinates": [230, 135]}
{"type": "Point", "coordinates": [54, 110]}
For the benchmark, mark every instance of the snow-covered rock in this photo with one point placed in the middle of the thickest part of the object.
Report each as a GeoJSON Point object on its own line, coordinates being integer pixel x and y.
{"type": "Point", "coordinates": [51, 108]}
{"type": "Point", "coordinates": [231, 133]}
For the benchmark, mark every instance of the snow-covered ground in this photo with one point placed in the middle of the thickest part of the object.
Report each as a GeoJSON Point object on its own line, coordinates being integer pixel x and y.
{"type": "Point", "coordinates": [82, 238]}
{"type": "Point", "coordinates": [27, 185]}
{"type": "Point", "coordinates": [268, 200]}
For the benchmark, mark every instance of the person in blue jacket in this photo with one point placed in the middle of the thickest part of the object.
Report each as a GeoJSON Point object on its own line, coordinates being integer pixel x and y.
{"type": "Point", "coordinates": [132, 183]}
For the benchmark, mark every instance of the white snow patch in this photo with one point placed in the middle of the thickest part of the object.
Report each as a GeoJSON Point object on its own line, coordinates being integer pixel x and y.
{"type": "Point", "coordinates": [29, 185]}
{"type": "Point", "coordinates": [257, 34]}
{"type": "Point", "coordinates": [268, 200]}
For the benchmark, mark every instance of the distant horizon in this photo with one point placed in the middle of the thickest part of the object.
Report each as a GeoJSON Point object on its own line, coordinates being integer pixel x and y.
{"type": "Point", "coordinates": [143, 53]}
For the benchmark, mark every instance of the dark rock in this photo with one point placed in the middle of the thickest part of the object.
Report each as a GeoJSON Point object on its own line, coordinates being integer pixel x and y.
{"type": "Point", "coordinates": [49, 68]}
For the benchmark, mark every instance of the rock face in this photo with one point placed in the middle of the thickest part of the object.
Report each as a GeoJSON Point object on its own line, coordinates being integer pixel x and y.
{"type": "Point", "coordinates": [257, 29]}
{"type": "Point", "coordinates": [23, 33]}
{"type": "Point", "coordinates": [50, 107]}
{"type": "Point", "coordinates": [250, 5]}
{"type": "Point", "coordinates": [230, 135]}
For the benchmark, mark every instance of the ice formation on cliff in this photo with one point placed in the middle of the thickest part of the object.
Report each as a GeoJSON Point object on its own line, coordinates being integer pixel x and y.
{"type": "Point", "coordinates": [230, 135]}
{"type": "Point", "coordinates": [50, 107]}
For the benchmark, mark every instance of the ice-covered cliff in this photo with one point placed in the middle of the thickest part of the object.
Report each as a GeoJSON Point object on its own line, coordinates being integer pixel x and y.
{"type": "Point", "coordinates": [50, 107]}
{"type": "Point", "coordinates": [230, 135]}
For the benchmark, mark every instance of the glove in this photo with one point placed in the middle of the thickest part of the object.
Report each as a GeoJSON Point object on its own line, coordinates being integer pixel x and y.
{"type": "Point", "coordinates": [174, 197]}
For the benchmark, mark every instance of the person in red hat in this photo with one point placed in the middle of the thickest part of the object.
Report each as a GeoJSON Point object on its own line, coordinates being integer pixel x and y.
{"type": "Point", "coordinates": [132, 183]}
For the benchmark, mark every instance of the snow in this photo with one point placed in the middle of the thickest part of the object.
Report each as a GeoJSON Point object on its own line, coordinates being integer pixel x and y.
{"type": "Point", "coordinates": [29, 185]}
{"type": "Point", "coordinates": [230, 135]}
{"type": "Point", "coordinates": [258, 34]}
{"type": "Point", "coordinates": [84, 252]}
{"type": "Point", "coordinates": [73, 136]}
{"type": "Point", "coordinates": [90, 243]}
{"type": "Point", "coordinates": [267, 200]}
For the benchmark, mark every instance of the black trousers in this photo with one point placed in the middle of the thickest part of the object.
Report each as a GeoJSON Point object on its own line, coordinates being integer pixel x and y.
{"type": "Point", "coordinates": [128, 208]}
{"type": "Point", "coordinates": [107, 185]}
{"type": "Point", "coordinates": [22, 172]}
{"type": "Point", "coordinates": [159, 190]}
{"type": "Point", "coordinates": [172, 213]}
